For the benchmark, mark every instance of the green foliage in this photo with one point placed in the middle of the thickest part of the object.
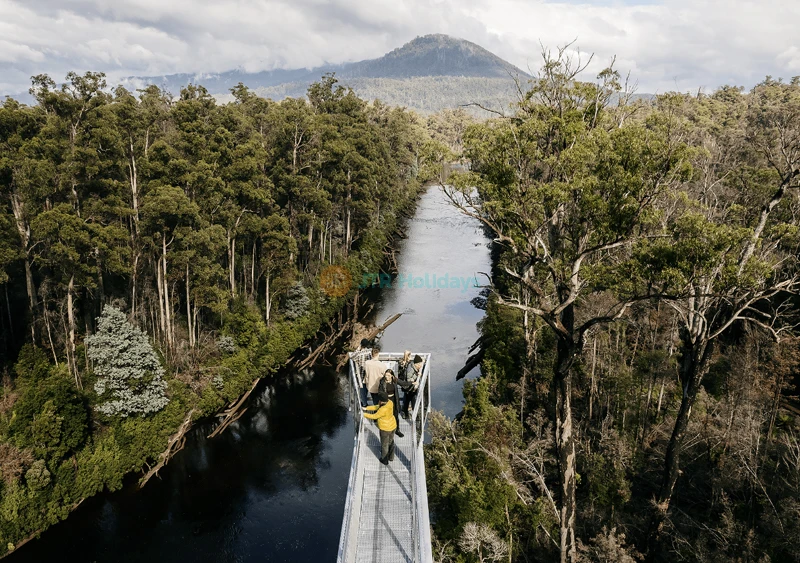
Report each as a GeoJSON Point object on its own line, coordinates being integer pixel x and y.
{"type": "Point", "coordinates": [469, 465]}
{"type": "Point", "coordinates": [677, 217]}
{"type": "Point", "coordinates": [37, 477]}
{"type": "Point", "coordinates": [50, 416]}
{"type": "Point", "coordinates": [143, 230]}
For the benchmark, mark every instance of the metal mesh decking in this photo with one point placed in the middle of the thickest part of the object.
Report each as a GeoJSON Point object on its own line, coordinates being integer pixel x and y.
{"type": "Point", "coordinates": [386, 512]}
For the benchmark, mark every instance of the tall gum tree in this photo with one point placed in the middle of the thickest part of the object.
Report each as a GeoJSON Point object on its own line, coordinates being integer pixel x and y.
{"type": "Point", "coordinates": [566, 191]}
{"type": "Point", "coordinates": [22, 171]}
{"type": "Point", "coordinates": [729, 255]}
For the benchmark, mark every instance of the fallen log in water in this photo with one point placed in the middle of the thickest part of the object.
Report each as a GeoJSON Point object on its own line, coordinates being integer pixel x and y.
{"type": "Point", "coordinates": [174, 445]}
{"type": "Point", "coordinates": [232, 413]}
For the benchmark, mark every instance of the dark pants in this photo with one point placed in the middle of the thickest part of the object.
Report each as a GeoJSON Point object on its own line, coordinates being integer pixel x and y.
{"type": "Point", "coordinates": [396, 407]}
{"type": "Point", "coordinates": [387, 446]}
{"type": "Point", "coordinates": [376, 398]}
{"type": "Point", "coordinates": [409, 397]}
{"type": "Point", "coordinates": [362, 395]}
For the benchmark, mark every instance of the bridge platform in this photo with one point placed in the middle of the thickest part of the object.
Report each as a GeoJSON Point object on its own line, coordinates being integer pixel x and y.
{"type": "Point", "coordinates": [386, 512]}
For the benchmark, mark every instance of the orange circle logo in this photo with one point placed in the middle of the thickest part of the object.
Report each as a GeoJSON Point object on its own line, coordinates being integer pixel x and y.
{"type": "Point", "coordinates": [335, 281]}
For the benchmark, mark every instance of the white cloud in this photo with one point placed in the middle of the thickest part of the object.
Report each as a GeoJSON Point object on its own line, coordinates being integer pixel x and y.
{"type": "Point", "coordinates": [13, 52]}
{"type": "Point", "coordinates": [681, 44]}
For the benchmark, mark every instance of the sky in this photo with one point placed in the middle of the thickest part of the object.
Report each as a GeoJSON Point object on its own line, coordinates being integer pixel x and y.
{"type": "Point", "coordinates": [664, 44]}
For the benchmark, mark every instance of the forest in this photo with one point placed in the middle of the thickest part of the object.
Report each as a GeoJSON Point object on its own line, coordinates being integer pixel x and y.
{"type": "Point", "coordinates": [639, 353]}
{"type": "Point", "coordinates": [424, 94]}
{"type": "Point", "coordinates": [640, 357]}
{"type": "Point", "coordinates": [160, 254]}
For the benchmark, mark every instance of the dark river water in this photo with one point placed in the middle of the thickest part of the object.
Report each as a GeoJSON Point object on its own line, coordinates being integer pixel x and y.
{"type": "Point", "coordinates": [272, 486]}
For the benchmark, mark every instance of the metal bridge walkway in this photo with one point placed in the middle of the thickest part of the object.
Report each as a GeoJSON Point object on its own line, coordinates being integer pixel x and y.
{"type": "Point", "coordinates": [386, 511]}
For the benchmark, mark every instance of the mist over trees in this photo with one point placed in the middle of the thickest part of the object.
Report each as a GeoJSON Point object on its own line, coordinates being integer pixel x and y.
{"type": "Point", "coordinates": [639, 359]}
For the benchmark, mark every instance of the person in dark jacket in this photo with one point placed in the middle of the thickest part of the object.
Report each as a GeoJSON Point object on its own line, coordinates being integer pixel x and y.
{"type": "Point", "coordinates": [387, 424]}
{"type": "Point", "coordinates": [413, 374]}
{"type": "Point", "coordinates": [388, 385]}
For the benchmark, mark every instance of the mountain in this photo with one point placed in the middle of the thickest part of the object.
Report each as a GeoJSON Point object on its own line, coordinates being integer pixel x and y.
{"type": "Point", "coordinates": [428, 73]}
{"type": "Point", "coordinates": [434, 55]}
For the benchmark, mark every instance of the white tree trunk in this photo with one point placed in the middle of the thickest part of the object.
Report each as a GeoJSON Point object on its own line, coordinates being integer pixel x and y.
{"type": "Point", "coordinates": [232, 263]}
{"type": "Point", "coordinates": [71, 318]}
{"type": "Point", "coordinates": [253, 289]}
{"type": "Point", "coordinates": [267, 300]}
{"type": "Point", "coordinates": [161, 314]}
{"type": "Point", "coordinates": [189, 309]}
{"type": "Point", "coordinates": [167, 307]}
{"type": "Point", "coordinates": [24, 230]}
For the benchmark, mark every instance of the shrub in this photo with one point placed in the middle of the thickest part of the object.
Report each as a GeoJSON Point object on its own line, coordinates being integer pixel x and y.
{"type": "Point", "coordinates": [130, 376]}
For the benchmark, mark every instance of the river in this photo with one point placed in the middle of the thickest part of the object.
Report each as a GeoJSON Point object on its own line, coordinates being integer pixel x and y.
{"type": "Point", "coordinates": [272, 486]}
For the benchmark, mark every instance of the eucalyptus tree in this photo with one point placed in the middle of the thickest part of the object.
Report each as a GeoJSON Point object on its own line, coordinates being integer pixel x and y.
{"type": "Point", "coordinates": [140, 122]}
{"type": "Point", "coordinates": [277, 245]}
{"type": "Point", "coordinates": [23, 173]}
{"type": "Point", "coordinates": [566, 192]}
{"type": "Point", "coordinates": [293, 139]}
{"type": "Point", "coordinates": [732, 236]}
{"type": "Point", "coordinates": [167, 214]}
{"type": "Point", "coordinates": [69, 250]}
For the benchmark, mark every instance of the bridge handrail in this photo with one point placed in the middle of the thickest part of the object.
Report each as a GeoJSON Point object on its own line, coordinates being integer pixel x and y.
{"type": "Point", "coordinates": [419, 493]}
{"type": "Point", "coordinates": [352, 484]}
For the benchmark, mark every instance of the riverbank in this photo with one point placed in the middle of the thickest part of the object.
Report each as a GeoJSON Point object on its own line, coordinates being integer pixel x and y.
{"type": "Point", "coordinates": [272, 486]}
{"type": "Point", "coordinates": [143, 445]}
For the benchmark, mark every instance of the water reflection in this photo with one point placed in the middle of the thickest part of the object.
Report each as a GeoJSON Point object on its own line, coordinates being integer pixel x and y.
{"type": "Point", "coordinates": [273, 483]}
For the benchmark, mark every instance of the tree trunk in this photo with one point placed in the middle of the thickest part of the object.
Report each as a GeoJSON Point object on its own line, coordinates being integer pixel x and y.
{"type": "Point", "coordinates": [253, 290]}
{"type": "Point", "coordinates": [161, 314]}
{"type": "Point", "coordinates": [134, 268]}
{"type": "Point", "coordinates": [167, 311]}
{"type": "Point", "coordinates": [134, 188]}
{"type": "Point", "coordinates": [24, 230]}
{"type": "Point", "coordinates": [231, 263]}
{"type": "Point", "coordinates": [46, 316]}
{"type": "Point", "coordinates": [565, 448]}
{"type": "Point", "coordinates": [267, 299]}
{"type": "Point", "coordinates": [189, 309]}
{"type": "Point", "coordinates": [695, 361]}
{"type": "Point", "coordinates": [347, 235]}
{"type": "Point", "coordinates": [195, 328]}
{"type": "Point", "coordinates": [73, 366]}
{"type": "Point", "coordinates": [322, 239]}
{"type": "Point", "coordinates": [567, 350]}
{"type": "Point", "coordinates": [592, 384]}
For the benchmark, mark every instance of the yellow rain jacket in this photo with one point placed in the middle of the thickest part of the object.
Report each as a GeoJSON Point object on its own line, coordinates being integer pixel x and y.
{"type": "Point", "coordinates": [384, 415]}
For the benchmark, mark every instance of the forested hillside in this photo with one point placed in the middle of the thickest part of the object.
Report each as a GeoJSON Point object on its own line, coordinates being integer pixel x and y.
{"type": "Point", "coordinates": [639, 356]}
{"type": "Point", "coordinates": [429, 73]}
{"type": "Point", "coordinates": [158, 256]}
{"type": "Point", "coordinates": [425, 94]}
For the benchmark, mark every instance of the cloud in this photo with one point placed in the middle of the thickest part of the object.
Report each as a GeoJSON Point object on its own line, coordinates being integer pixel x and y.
{"type": "Point", "coordinates": [674, 44]}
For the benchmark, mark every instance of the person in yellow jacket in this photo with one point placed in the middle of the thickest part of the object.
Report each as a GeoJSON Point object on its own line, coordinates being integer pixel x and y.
{"type": "Point", "coordinates": [387, 423]}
